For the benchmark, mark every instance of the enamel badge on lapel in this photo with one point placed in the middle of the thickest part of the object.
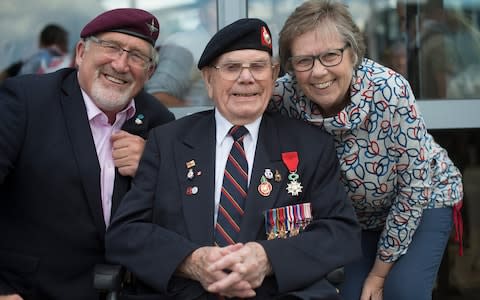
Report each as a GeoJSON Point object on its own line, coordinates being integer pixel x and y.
{"type": "Point", "coordinates": [190, 164]}
{"type": "Point", "coordinates": [278, 176]}
{"type": "Point", "coordinates": [264, 188]}
{"type": "Point", "coordinates": [191, 190]}
{"type": "Point", "coordinates": [139, 119]}
{"type": "Point", "coordinates": [268, 174]}
{"type": "Point", "coordinates": [191, 173]}
{"type": "Point", "coordinates": [290, 159]}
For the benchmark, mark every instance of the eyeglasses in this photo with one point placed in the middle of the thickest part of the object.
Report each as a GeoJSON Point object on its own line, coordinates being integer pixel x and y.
{"type": "Point", "coordinates": [331, 58]}
{"type": "Point", "coordinates": [114, 51]}
{"type": "Point", "coordinates": [260, 70]}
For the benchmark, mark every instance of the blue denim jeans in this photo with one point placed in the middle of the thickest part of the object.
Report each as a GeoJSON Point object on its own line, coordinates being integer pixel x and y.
{"type": "Point", "coordinates": [413, 275]}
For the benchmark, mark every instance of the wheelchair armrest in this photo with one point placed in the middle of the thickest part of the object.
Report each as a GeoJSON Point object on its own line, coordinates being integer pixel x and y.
{"type": "Point", "coordinates": [108, 277]}
{"type": "Point", "coordinates": [336, 276]}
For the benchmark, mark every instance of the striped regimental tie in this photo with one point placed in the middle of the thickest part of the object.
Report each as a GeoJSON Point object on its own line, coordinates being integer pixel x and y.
{"type": "Point", "coordinates": [234, 191]}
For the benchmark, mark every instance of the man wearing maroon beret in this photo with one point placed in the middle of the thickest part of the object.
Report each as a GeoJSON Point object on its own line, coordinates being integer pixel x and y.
{"type": "Point", "coordinates": [70, 142]}
{"type": "Point", "coordinates": [235, 202]}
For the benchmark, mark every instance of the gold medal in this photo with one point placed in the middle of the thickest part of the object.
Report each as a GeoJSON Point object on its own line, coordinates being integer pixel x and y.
{"type": "Point", "coordinates": [282, 233]}
{"type": "Point", "coordinates": [294, 231]}
{"type": "Point", "coordinates": [271, 235]}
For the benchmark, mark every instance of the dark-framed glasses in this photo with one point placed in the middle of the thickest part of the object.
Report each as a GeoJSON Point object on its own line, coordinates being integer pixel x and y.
{"type": "Point", "coordinates": [260, 70]}
{"type": "Point", "coordinates": [113, 50]}
{"type": "Point", "coordinates": [330, 58]}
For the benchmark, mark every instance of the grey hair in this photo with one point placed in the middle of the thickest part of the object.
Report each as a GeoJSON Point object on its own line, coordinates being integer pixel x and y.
{"type": "Point", "coordinates": [315, 13]}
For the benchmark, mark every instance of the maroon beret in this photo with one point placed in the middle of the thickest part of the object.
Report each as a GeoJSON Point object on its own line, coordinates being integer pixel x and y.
{"type": "Point", "coordinates": [246, 33]}
{"type": "Point", "coordinates": [131, 21]}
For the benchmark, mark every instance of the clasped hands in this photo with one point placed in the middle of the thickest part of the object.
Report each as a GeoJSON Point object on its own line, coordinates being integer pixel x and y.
{"type": "Point", "coordinates": [231, 271]}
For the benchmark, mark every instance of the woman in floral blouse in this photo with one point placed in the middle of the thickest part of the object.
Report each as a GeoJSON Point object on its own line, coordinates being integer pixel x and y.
{"type": "Point", "coordinates": [405, 189]}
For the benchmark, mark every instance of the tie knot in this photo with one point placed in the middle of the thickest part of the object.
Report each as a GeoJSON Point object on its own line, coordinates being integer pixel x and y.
{"type": "Point", "coordinates": [237, 132]}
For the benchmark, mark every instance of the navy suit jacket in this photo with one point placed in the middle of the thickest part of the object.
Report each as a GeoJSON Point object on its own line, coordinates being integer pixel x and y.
{"type": "Point", "coordinates": [159, 223]}
{"type": "Point", "coordinates": [51, 220]}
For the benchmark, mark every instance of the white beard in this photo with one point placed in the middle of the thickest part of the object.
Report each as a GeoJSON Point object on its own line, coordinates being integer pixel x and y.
{"type": "Point", "coordinates": [108, 99]}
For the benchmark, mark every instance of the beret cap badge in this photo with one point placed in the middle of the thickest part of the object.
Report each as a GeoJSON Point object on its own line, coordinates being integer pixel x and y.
{"type": "Point", "coordinates": [152, 27]}
{"type": "Point", "coordinates": [266, 39]}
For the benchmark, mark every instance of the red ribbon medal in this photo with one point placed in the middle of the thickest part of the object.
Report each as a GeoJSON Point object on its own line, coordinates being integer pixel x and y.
{"type": "Point", "coordinates": [290, 159]}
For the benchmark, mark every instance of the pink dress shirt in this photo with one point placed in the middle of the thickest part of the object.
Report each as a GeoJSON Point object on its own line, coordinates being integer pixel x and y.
{"type": "Point", "coordinates": [101, 132]}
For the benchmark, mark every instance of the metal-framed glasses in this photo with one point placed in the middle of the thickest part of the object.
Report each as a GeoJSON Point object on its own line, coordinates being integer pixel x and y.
{"type": "Point", "coordinates": [330, 58]}
{"type": "Point", "coordinates": [260, 70]}
{"type": "Point", "coordinates": [113, 50]}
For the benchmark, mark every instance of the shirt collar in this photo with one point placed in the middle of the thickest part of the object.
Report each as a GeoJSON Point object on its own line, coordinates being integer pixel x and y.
{"type": "Point", "coordinates": [223, 126]}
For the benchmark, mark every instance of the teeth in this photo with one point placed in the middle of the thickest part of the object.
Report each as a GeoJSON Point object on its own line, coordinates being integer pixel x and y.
{"type": "Point", "coordinates": [116, 80]}
{"type": "Point", "coordinates": [245, 95]}
{"type": "Point", "coordinates": [323, 85]}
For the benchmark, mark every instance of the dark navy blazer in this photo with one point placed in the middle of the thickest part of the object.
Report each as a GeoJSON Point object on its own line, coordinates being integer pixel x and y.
{"type": "Point", "coordinates": [159, 223]}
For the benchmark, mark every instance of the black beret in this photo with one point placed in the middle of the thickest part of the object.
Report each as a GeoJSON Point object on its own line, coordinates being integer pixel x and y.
{"type": "Point", "coordinates": [247, 33]}
{"type": "Point", "coordinates": [131, 21]}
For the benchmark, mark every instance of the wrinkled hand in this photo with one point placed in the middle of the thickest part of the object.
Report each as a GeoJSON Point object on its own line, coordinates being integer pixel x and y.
{"type": "Point", "coordinates": [196, 267]}
{"type": "Point", "coordinates": [11, 297]}
{"type": "Point", "coordinates": [127, 149]}
{"type": "Point", "coordinates": [373, 287]}
{"type": "Point", "coordinates": [248, 264]}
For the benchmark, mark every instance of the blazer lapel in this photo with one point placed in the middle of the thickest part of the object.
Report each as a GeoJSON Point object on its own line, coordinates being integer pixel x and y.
{"type": "Point", "coordinates": [139, 123]}
{"type": "Point", "coordinates": [122, 183]}
{"type": "Point", "coordinates": [76, 123]}
{"type": "Point", "coordinates": [197, 193]}
{"type": "Point", "coordinates": [267, 156]}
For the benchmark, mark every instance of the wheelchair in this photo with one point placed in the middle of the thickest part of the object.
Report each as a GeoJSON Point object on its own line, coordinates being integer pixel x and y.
{"type": "Point", "coordinates": [110, 279]}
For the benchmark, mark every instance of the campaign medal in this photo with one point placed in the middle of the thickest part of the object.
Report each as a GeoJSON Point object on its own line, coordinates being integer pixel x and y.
{"type": "Point", "coordinates": [290, 159]}
{"type": "Point", "coordinates": [271, 235]}
{"type": "Point", "coordinates": [294, 231]}
{"type": "Point", "coordinates": [281, 220]}
{"type": "Point", "coordinates": [270, 223]}
{"type": "Point", "coordinates": [264, 188]}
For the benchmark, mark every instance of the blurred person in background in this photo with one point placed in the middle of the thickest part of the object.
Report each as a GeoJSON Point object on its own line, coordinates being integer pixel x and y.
{"type": "Point", "coordinates": [177, 81]}
{"type": "Point", "coordinates": [52, 53]}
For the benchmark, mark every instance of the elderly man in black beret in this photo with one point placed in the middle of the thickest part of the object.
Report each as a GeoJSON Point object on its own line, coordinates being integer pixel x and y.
{"type": "Point", "coordinates": [70, 142]}
{"type": "Point", "coordinates": [233, 202]}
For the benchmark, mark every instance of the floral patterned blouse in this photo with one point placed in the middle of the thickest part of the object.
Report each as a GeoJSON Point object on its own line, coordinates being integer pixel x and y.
{"type": "Point", "coordinates": [391, 167]}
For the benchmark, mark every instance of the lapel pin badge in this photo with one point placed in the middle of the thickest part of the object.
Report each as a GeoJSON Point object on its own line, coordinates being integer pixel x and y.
{"type": "Point", "coordinates": [264, 188]}
{"type": "Point", "coordinates": [190, 164]}
{"type": "Point", "coordinates": [278, 176]}
{"type": "Point", "coordinates": [190, 174]}
{"type": "Point", "coordinates": [191, 190]}
{"type": "Point", "coordinates": [268, 174]}
{"type": "Point", "coordinates": [139, 119]}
